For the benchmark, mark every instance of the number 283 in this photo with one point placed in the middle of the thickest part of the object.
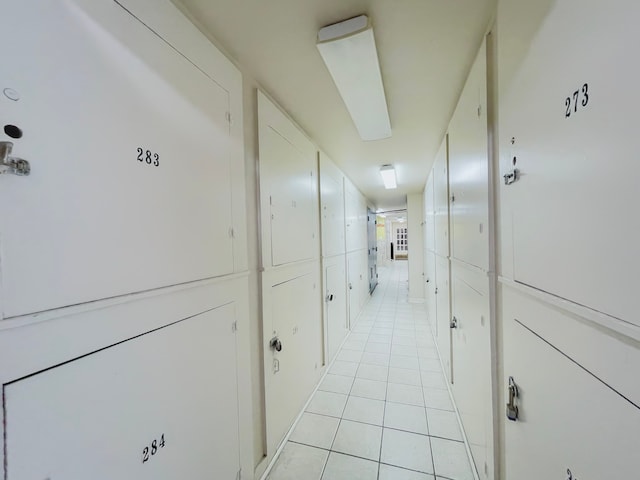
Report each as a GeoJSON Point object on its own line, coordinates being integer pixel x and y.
{"type": "Point", "coordinates": [148, 157]}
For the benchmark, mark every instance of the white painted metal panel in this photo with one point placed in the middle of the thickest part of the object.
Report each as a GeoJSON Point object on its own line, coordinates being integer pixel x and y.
{"type": "Point", "coordinates": [335, 297]}
{"type": "Point", "coordinates": [440, 174]}
{"type": "Point", "coordinates": [332, 216]}
{"type": "Point", "coordinates": [96, 416]}
{"type": "Point", "coordinates": [288, 189]}
{"type": "Point", "coordinates": [468, 170]}
{"type": "Point", "coordinates": [471, 348]}
{"type": "Point", "coordinates": [570, 420]}
{"type": "Point", "coordinates": [295, 320]}
{"type": "Point", "coordinates": [429, 214]}
{"type": "Point", "coordinates": [430, 291]}
{"type": "Point", "coordinates": [356, 270]}
{"type": "Point", "coordinates": [569, 104]}
{"type": "Point", "coordinates": [98, 91]}
{"type": "Point", "coordinates": [443, 312]}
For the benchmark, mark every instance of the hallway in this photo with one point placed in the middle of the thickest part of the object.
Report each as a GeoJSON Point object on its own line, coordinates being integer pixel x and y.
{"type": "Point", "coordinates": [383, 411]}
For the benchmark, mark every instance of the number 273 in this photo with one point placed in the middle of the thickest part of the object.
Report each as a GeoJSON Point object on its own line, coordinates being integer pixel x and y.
{"type": "Point", "coordinates": [574, 100]}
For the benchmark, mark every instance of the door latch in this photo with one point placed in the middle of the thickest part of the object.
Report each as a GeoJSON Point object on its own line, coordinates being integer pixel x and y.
{"type": "Point", "coordinates": [511, 177]}
{"type": "Point", "coordinates": [453, 323]}
{"type": "Point", "coordinates": [330, 297]}
{"type": "Point", "coordinates": [512, 408]}
{"type": "Point", "coordinates": [10, 164]}
{"type": "Point", "coordinates": [276, 344]}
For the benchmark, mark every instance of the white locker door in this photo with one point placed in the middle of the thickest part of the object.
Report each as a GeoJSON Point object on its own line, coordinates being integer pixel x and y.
{"type": "Point", "coordinates": [332, 196]}
{"type": "Point", "coordinates": [571, 425]}
{"type": "Point", "coordinates": [429, 214]}
{"type": "Point", "coordinates": [129, 149]}
{"type": "Point", "coordinates": [471, 359]}
{"type": "Point", "coordinates": [443, 311]}
{"type": "Point", "coordinates": [288, 384]}
{"type": "Point", "coordinates": [440, 174]}
{"type": "Point", "coordinates": [352, 287]}
{"type": "Point", "coordinates": [468, 170]}
{"type": "Point", "coordinates": [335, 306]}
{"type": "Point", "coordinates": [572, 216]}
{"type": "Point", "coordinates": [430, 291]}
{"type": "Point", "coordinates": [160, 406]}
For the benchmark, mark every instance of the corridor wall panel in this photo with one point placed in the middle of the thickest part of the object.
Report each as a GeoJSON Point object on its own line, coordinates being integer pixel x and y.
{"type": "Point", "coordinates": [164, 183]}
{"type": "Point", "coordinates": [288, 189]}
{"type": "Point", "coordinates": [571, 225]}
{"type": "Point", "coordinates": [441, 199]}
{"type": "Point", "coordinates": [468, 170]}
{"type": "Point", "coordinates": [332, 207]}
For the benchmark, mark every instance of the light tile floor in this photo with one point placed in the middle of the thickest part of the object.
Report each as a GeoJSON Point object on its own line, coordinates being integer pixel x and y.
{"type": "Point", "coordinates": [383, 411]}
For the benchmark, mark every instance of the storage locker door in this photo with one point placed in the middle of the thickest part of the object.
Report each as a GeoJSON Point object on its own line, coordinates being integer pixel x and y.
{"type": "Point", "coordinates": [129, 149]}
{"type": "Point", "coordinates": [430, 291]}
{"type": "Point", "coordinates": [160, 406]}
{"type": "Point", "coordinates": [468, 170]}
{"type": "Point", "coordinates": [441, 200]}
{"type": "Point", "coordinates": [443, 309]}
{"type": "Point", "coordinates": [352, 286]}
{"type": "Point", "coordinates": [336, 306]}
{"type": "Point", "coordinates": [570, 104]}
{"type": "Point", "coordinates": [471, 357]}
{"type": "Point", "coordinates": [292, 195]}
{"type": "Point", "coordinates": [332, 216]}
{"type": "Point", "coordinates": [571, 425]}
{"type": "Point", "coordinates": [429, 209]}
{"type": "Point", "coordinates": [289, 384]}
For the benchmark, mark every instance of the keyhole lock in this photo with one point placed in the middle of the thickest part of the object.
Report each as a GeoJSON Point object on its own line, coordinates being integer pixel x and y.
{"type": "Point", "coordinates": [453, 323]}
{"type": "Point", "coordinates": [330, 297]}
{"type": "Point", "coordinates": [276, 344]}
{"type": "Point", "coordinates": [512, 408]}
{"type": "Point", "coordinates": [10, 164]}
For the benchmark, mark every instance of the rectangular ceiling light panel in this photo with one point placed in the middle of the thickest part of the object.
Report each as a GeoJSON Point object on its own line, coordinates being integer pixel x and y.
{"type": "Point", "coordinates": [349, 50]}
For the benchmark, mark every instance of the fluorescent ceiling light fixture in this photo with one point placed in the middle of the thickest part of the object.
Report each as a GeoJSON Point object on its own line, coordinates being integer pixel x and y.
{"type": "Point", "coordinates": [388, 174]}
{"type": "Point", "coordinates": [349, 50]}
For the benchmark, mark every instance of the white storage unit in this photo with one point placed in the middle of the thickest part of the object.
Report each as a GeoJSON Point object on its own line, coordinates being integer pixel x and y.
{"type": "Point", "coordinates": [430, 290]}
{"type": "Point", "coordinates": [574, 421]}
{"type": "Point", "coordinates": [468, 170]}
{"type": "Point", "coordinates": [472, 363]}
{"type": "Point", "coordinates": [443, 309]}
{"type": "Point", "coordinates": [332, 215]}
{"type": "Point", "coordinates": [335, 301]}
{"type": "Point", "coordinates": [288, 189]}
{"type": "Point", "coordinates": [131, 150]}
{"type": "Point", "coordinates": [292, 317]}
{"type": "Point", "coordinates": [440, 175]}
{"type": "Point", "coordinates": [430, 214]}
{"type": "Point", "coordinates": [571, 225]}
{"type": "Point", "coordinates": [141, 408]}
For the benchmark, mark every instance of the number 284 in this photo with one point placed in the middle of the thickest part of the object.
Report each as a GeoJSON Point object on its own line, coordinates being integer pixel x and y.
{"type": "Point", "coordinates": [152, 449]}
{"type": "Point", "coordinates": [579, 97]}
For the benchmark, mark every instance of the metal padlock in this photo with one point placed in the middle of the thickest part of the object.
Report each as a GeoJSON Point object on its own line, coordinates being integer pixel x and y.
{"type": "Point", "coordinates": [276, 344]}
{"type": "Point", "coordinates": [512, 408]}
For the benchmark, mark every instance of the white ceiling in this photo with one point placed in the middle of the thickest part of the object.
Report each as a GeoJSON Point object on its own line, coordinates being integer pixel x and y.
{"type": "Point", "coordinates": [425, 48]}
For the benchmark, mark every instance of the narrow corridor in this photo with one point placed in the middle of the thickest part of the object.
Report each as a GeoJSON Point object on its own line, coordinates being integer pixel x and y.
{"type": "Point", "coordinates": [383, 411]}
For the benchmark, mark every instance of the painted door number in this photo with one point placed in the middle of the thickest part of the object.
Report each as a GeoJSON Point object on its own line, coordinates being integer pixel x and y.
{"type": "Point", "coordinates": [579, 97]}
{"type": "Point", "coordinates": [148, 157]}
{"type": "Point", "coordinates": [152, 449]}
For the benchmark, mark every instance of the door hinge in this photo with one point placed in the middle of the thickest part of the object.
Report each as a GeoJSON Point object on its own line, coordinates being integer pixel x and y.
{"type": "Point", "coordinates": [234, 326]}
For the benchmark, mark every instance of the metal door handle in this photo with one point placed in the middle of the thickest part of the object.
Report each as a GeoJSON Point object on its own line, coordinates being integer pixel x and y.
{"type": "Point", "coordinates": [10, 164]}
